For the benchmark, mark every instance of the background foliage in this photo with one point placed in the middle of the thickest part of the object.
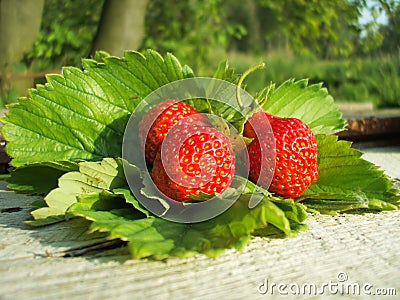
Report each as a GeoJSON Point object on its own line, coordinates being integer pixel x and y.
{"type": "Point", "coordinates": [66, 33]}
{"type": "Point", "coordinates": [321, 40]}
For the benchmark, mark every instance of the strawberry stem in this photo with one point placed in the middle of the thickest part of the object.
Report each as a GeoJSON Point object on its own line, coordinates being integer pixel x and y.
{"type": "Point", "coordinates": [242, 78]}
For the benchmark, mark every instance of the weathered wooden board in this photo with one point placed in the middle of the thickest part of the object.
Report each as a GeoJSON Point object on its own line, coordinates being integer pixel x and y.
{"type": "Point", "coordinates": [364, 247]}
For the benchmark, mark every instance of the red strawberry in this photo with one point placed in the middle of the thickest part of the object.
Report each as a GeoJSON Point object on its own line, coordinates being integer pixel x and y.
{"type": "Point", "coordinates": [296, 156]}
{"type": "Point", "coordinates": [193, 159]}
{"type": "Point", "coordinates": [155, 125]}
{"type": "Point", "coordinates": [262, 123]}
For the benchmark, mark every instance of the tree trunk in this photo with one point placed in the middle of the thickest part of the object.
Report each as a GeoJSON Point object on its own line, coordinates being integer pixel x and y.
{"type": "Point", "coordinates": [121, 27]}
{"type": "Point", "coordinates": [19, 26]}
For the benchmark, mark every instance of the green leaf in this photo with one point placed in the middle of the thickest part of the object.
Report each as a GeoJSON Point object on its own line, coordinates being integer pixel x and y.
{"type": "Point", "coordinates": [274, 232]}
{"type": "Point", "coordinates": [275, 215]}
{"type": "Point", "coordinates": [221, 98]}
{"type": "Point", "coordinates": [108, 201]}
{"type": "Point", "coordinates": [38, 178]}
{"type": "Point", "coordinates": [310, 103]}
{"type": "Point", "coordinates": [81, 115]}
{"type": "Point", "coordinates": [283, 213]}
{"type": "Point", "coordinates": [347, 182]}
{"type": "Point", "coordinates": [225, 72]}
{"type": "Point", "coordinates": [294, 211]}
{"type": "Point", "coordinates": [129, 198]}
{"type": "Point", "coordinates": [91, 177]}
{"type": "Point", "coordinates": [100, 56]}
{"type": "Point", "coordinates": [160, 238]}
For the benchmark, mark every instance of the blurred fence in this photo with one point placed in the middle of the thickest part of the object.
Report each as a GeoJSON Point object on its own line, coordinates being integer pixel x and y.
{"type": "Point", "coordinates": [27, 76]}
{"type": "Point", "coordinates": [15, 85]}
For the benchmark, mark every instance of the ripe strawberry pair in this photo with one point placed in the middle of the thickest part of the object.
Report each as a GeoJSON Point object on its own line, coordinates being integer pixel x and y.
{"type": "Point", "coordinates": [189, 157]}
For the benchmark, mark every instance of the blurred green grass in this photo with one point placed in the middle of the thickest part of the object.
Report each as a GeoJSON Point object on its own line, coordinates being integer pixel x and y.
{"type": "Point", "coordinates": [375, 80]}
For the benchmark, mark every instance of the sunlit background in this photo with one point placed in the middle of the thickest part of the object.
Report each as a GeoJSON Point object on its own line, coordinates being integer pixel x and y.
{"type": "Point", "coordinates": [352, 46]}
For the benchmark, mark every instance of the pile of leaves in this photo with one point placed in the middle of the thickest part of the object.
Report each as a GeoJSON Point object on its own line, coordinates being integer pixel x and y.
{"type": "Point", "coordinates": [65, 140]}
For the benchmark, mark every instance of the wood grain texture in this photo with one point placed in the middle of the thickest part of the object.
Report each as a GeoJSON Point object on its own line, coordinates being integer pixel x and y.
{"type": "Point", "coordinates": [366, 247]}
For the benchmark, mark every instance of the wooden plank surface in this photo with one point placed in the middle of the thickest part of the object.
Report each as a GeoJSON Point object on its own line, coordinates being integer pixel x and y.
{"type": "Point", "coordinates": [364, 247]}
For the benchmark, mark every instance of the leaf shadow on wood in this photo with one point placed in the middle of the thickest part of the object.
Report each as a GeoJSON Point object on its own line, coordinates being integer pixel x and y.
{"type": "Point", "coordinates": [65, 239]}
{"type": "Point", "coordinates": [73, 238]}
